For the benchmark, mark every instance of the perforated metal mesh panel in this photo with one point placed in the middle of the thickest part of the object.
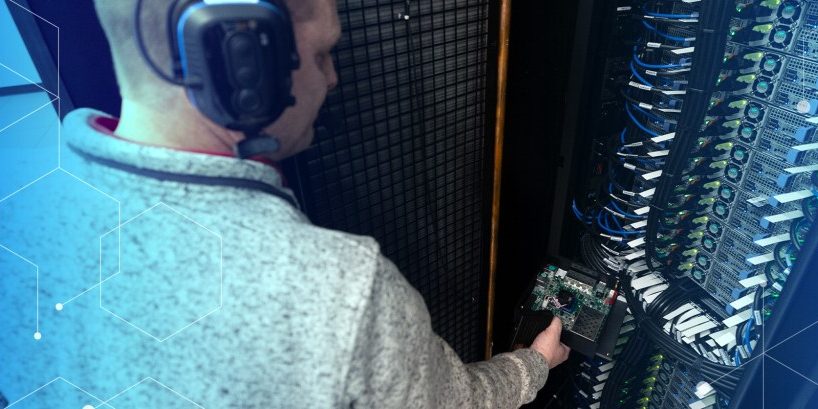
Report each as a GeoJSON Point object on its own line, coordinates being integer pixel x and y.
{"type": "Point", "coordinates": [404, 160]}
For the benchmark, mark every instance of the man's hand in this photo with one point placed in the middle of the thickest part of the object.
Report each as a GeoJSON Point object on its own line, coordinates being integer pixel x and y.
{"type": "Point", "coordinates": [548, 344]}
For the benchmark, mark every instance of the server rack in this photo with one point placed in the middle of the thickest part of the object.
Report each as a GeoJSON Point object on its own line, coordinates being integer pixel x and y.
{"type": "Point", "coordinates": [705, 229]}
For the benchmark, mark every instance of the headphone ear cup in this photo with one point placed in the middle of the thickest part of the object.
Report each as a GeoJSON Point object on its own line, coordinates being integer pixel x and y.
{"type": "Point", "coordinates": [235, 59]}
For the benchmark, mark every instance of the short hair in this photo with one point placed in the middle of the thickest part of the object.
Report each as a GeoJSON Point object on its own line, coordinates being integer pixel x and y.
{"type": "Point", "coordinates": [135, 78]}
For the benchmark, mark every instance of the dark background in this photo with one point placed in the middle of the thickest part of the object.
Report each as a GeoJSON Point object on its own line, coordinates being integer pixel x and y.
{"type": "Point", "coordinates": [542, 36]}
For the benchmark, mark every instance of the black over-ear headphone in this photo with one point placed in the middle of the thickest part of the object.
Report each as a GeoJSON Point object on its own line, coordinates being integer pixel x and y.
{"type": "Point", "coordinates": [235, 58]}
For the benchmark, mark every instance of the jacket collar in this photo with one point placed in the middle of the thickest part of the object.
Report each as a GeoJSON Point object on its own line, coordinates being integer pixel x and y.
{"type": "Point", "coordinates": [87, 134]}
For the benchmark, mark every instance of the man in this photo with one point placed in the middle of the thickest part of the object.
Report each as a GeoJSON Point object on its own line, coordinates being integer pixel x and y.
{"type": "Point", "coordinates": [306, 317]}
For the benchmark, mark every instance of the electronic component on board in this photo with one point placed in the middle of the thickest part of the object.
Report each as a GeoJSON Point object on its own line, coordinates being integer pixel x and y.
{"type": "Point", "coordinates": [586, 302]}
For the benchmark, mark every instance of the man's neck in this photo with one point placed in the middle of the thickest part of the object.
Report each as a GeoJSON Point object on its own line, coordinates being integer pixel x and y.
{"type": "Point", "coordinates": [177, 127]}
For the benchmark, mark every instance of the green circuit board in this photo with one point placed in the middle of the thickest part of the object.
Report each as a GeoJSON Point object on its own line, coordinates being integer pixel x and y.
{"type": "Point", "coordinates": [582, 306]}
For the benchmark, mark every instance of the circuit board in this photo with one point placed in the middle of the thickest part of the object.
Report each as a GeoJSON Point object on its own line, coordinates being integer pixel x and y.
{"type": "Point", "coordinates": [581, 303]}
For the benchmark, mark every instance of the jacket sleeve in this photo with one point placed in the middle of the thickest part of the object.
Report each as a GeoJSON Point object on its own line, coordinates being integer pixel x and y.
{"type": "Point", "coordinates": [399, 362]}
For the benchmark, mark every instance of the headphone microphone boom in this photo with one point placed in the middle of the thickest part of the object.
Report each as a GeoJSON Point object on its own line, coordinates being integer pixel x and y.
{"type": "Point", "coordinates": [235, 59]}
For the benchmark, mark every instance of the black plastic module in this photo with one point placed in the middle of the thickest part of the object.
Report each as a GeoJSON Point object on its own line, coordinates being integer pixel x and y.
{"type": "Point", "coordinates": [587, 303]}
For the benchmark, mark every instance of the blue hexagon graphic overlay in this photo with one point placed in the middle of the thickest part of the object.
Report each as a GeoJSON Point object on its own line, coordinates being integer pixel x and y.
{"type": "Point", "coordinates": [150, 393]}
{"type": "Point", "coordinates": [165, 275]}
{"type": "Point", "coordinates": [28, 140]}
{"type": "Point", "coordinates": [29, 124]}
{"type": "Point", "coordinates": [18, 292]}
{"type": "Point", "coordinates": [57, 394]}
{"type": "Point", "coordinates": [14, 58]}
{"type": "Point", "coordinates": [55, 224]}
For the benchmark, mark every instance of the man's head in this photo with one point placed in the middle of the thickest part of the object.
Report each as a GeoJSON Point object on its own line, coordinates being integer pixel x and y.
{"type": "Point", "coordinates": [316, 27]}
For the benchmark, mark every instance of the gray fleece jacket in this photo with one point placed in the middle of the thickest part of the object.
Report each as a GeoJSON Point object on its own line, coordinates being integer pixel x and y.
{"type": "Point", "coordinates": [193, 280]}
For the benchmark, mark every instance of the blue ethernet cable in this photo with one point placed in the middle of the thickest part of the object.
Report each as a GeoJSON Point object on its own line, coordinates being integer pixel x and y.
{"type": "Point", "coordinates": [663, 34]}
{"type": "Point", "coordinates": [643, 64]}
{"type": "Point", "coordinates": [605, 227]}
{"type": "Point", "coordinates": [637, 123]}
{"type": "Point", "coordinates": [578, 213]}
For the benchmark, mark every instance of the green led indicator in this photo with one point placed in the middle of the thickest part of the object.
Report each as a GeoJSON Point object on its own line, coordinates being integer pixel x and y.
{"type": "Point", "coordinates": [764, 28]}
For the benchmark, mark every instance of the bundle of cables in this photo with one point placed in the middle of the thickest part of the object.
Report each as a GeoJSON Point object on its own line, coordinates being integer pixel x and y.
{"type": "Point", "coordinates": [670, 306]}
{"type": "Point", "coordinates": [652, 100]}
{"type": "Point", "coordinates": [664, 181]}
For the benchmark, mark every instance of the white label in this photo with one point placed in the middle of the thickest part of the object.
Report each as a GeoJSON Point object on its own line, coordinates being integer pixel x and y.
{"type": "Point", "coordinates": [743, 301]}
{"type": "Point", "coordinates": [791, 197]}
{"type": "Point", "coordinates": [724, 337]}
{"type": "Point", "coordinates": [635, 255]}
{"type": "Point", "coordinates": [753, 281]}
{"type": "Point", "coordinates": [665, 137]}
{"type": "Point", "coordinates": [686, 50]}
{"type": "Point", "coordinates": [795, 214]}
{"type": "Point", "coordinates": [801, 169]}
{"type": "Point", "coordinates": [738, 318]}
{"type": "Point", "coordinates": [759, 201]}
{"type": "Point", "coordinates": [640, 86]}
{"type": "Point", "coordinates": [806, 147]}
{"type": "Point", "coordinates": [640, 224]}
{"type": "Point", "coordinates": [674, 92]}
{"type": "Point", "coordinates": [772, 240]}
{"type": "Point", "coordinates": [699, 329]}
{"type": "Point", "coordinates": [648, 193]}
{"type": "Point", "coordinates": [701, 319]}
{"type": "Point", "coordinates": [636, 243]}
{"type": "Point", "coordinates": [670, 111]}
{"type": "Point", "coordinates": [650, 297]}
{"type": "Point", "coordinates": [652, 175]}
{"type": "Point", "coordinates": [646, 281]}
{"type": "Point", "coordinates": [689, 314]}
{"type": "Point", "coordinates": [764, 258]}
